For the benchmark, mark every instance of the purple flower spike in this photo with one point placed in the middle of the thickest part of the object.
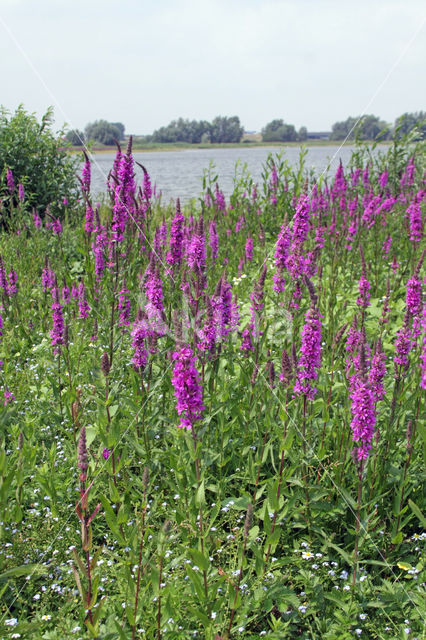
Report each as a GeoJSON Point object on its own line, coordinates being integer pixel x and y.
{"type": "Point", "coordinates": [310, 360]}
{"type": "Point", "coordinates": [188, 389]}
{"type": "Point", "coordinates": [10, 181]}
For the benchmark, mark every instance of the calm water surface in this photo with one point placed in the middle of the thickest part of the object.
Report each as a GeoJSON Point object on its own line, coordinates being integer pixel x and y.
{"type": "Point", "coordinates": [179, 173]}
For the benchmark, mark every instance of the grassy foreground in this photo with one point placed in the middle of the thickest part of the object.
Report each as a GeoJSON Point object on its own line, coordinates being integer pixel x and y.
{"type": "Point", "coordinates": [212, 422]}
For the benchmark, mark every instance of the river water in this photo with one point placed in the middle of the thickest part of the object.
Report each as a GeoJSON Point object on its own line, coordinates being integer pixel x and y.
{"type": "Point", "coordinates": [179, 173]}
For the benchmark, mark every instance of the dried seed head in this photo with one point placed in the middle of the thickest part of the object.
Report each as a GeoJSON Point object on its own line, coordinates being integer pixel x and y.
{"type": "Point", "coordinates": [129, 146]}
{"type": "Point", "coordinates": [167, 526]}
{"type": "Point", "coordinates": [339, 334]}
{"type": "Point", "coordinates": [254, 375]}
{"type": "Point", "coordinates": [145, 478]}
{"type": "Point", "coordinates": [105, 364]}
{"type": "Point", "coordinates": [82, 455]}
{"type": "Point", "coordinates": [20, 441]}
{"type": "Point", "coordinates": [286, 369]}
{"type": "Point", "coordinates": [270, 370]}
{"type": "Point", "coordinates": [248, 521]}
{"type": "Point", "coordinates": [263, 276]}
{"type": "Point", "coordinates": [294, 359]}
{"type": "Point", "coordinates": [409, 432]}
{"type": "Point", "coordinates": [312, 294]}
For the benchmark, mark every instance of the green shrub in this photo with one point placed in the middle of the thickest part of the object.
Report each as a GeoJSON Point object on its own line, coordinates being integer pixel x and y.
{"type": "Point", "coordinates": [37, 159]}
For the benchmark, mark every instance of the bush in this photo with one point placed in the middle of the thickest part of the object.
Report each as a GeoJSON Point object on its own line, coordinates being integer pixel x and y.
{"type": "Point", "coordinates": [37, 159]}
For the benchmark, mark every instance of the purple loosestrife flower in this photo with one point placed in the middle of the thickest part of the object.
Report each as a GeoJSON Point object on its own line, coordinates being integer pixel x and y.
{"type": "Point", "coordinates": [364, 286]}
{"type": "Point", "coordinates": [124, 307]}
{"type": "Point", "coordinates": [423, 352]}
{"type": "Point", "coordinates": [220, 200]}
{"type": "Point", "coordinates": [363, 416]}
{"type": "Point", "coordinates": [415, 217]}
{"type": "Point", "coordinates": [57, 332]}
{"type": "Point", "coordinates": [66, 294]}
{"type": "Point", "coordinates": [207, 199]}
{"type": "Point", "coordinates": [1, 325]}
{"type": "Point", "coordinates": [188, 390]}
{"type": "Point", "coordinates": [310, 359]}
{"type": "Point", "coordinates": [146, 186]}
{"type": "Point", "coordinates": [3, 278]}
{"type": "Point", "coordinates": [407, 177]}
{"type": "Point", "coordinates": [248, 249]}
{"type": "Point", "coordinates": [281, 256]}
{"type": "Point", "coordinates": [106, 453]}
{"type": "Point", "coordinates": [225, 310]}
{"type": "Point", "coordinates": [88, 225]}
{"type": "Point", "coordinates": [36, 219]}
{"type": "Point", "coordinates": [339, 186]}
{"type": "Point", "coordinates": [98, 250]}
{"type": "Point", "coordinates": [377, 373]}
{"type": "Point", "coordinates": [386, 246]}
{"type": "Point", "coordinates": [174, 256]}
{"type": "Point", "coordinates": [85, 175]}
{"type": "Point", "coordinates": [83, 306]}
{"type": "Point", "coordinates": [383, 179]}
{"type": "Point", "coordinates": [21, 192]}
{"type": "Point", "coordinates": [355, 177]}
{"type": "Point", "coordinates": [246, 344]}
{"type": "Point", "coordinates": [196, 252]}
{"type": "Point", "coordinates": [12, 284]}
{"type": "Point", "coordinates": [413, 298]}
{"type": "Point", "coordinates": [366, 177]}
{"type": "Point", "coordinates": [10, 181]}
{"type": "Point", "coordinates": [208, 333]}
{"type": "Point", "coordinates": [47, 277]}
{"type": "Point", "coordinates": [8, 397]}
{"type": "Point", "coordinates": [213, 240]}
{"type": "Point", "coordinates": [301, 223]}
{"type": "Point", "coordinates": [163, 233]}
{"type": "Point", "coordinates": [371, 211]}
{"type": "Point", "coordinates": [364, 293]}
{"type": "Point", "coordinates": [56, 227]}
{"type": "Point", "coordinates": [154, 293]}
{"type": "Point", "coordinates": [139, 334]}
{"type": "Point", "coordinates": [403, 343]}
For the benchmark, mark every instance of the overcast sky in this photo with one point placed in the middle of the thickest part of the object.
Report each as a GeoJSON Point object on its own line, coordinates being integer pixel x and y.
{"type": "Point", "coordinates": [147, 62]}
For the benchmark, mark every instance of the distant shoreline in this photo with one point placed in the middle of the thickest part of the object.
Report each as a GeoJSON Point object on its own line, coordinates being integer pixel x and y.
{"type": "Point", "coordinates": [181, 146]}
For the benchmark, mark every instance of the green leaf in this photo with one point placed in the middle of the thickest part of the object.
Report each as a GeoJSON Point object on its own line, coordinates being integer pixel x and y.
{"type": "Point", "coordinates": [199, 559]}
{"type": "Point", "coordinates": [200, 496]}
{"type": "Point", "coordinates": [25, 570]}
{"type": "Point", "coordinates": [415, 509]}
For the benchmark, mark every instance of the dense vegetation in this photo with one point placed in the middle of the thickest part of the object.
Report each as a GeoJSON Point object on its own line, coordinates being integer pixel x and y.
{"type": "Point", "coordinates": [32, 154]}
{"type": "Point", "coordinates": [212, 419]}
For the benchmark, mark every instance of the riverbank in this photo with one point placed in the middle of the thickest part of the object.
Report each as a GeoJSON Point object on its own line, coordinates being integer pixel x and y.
{"type": "Point", "coordinates": [182, 146]}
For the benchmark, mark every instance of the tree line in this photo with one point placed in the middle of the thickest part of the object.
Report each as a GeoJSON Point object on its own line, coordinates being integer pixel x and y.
{"type": "Point", "coordinates": [225, 129]}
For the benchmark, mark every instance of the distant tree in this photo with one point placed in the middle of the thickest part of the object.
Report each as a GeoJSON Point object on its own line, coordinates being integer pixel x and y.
{"type": "Point", "coordinates": [103, 132]}
{"type": "Point", "coordinates": [367, 127]}
{"type": "Point", "coordinates": [226, 129]}
{"type": "Point", "coordinates": [75, 137]}
{"type": "Point", "coordinates": [409, 121]}
{"type": "Point", "coordinates": [278, 131]}
{"type": "Point", "coordinates": [181, 130]}
{"type": "Point", "coordinates": [120, 127]}
{"type": "Point", "coordinates": [222, 129]}
{"type": "Point", "coordinates": [303, 134]}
